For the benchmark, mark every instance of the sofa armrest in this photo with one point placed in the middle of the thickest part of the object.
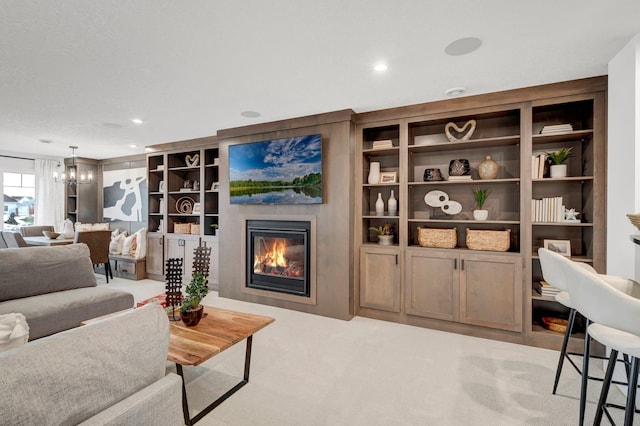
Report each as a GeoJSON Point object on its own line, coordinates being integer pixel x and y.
{"type": "Point", "coordinates": [160, 403]}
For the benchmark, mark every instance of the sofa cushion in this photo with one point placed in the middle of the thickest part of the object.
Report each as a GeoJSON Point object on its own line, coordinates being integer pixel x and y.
{"type": "Point", "coordinates": [30, 271]}
{"type": "Point", "coordinates": [69, 377]}
{"type": "Point", "coordinates": [54, 312]}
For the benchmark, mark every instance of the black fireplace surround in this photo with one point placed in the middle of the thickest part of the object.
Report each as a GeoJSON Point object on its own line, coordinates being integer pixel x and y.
{"type": "Point", "coordinates": [277, 256]}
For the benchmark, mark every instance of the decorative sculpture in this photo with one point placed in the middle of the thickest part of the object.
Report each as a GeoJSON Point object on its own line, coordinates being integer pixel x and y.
{"type": "Point", "coordinates": [465, 137]}
{"type": "Point", "coordinates": [173, 286]}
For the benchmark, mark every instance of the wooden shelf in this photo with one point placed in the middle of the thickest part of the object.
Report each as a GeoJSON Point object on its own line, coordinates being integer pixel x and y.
{"type": "Point", "coordinates": [465, 182]}
{"type": "Point", "coordinates": [462, 145]}
{"type": "Point", "coordinates": [184, 168]}
{"type": "Point", "coordinates": [381, 152]}
{"type": "Point", "coordinates": [569, 224]}
{"type": "Point", "coordinates": [564, 179]}
{"type": "Point", "coordinates": [466, 221]}
{"type": "Point", "coordinates": [562, 137]}
{"type": "Point", "coordinates": [380, 185]}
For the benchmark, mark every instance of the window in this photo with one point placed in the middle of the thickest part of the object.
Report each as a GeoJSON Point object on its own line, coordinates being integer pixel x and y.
{"type": "Point", "coordinates": [19, 191]}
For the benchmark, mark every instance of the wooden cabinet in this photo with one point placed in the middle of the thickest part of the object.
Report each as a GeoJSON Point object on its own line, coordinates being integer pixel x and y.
{"type": "Point", "coordinates": [155, 255]}
{"type": "Point", "coordinates": [478, 289]}
{"type": "Point", "coordinates": [380, 278]}
{"type": "Point", "coordinates": [82, 198]}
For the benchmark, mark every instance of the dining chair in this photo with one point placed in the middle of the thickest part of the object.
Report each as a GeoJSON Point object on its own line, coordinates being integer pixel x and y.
{"type": "Point", "coordinates": [3, 244]}
{"type": "Point", "coordinates": [98, 242]}
{"type": "Point", "coordinates": [615, 325]}
{"type": "Point", "coordinates": [553, 271]}
{"type": "Point", "coordinates": [14, 239]}
{"type": "Point", "coordinates": [35, 230]}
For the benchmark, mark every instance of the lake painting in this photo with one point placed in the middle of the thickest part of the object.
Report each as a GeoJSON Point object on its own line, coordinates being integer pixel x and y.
{"type": "Point", "coordinates": [281, 171]}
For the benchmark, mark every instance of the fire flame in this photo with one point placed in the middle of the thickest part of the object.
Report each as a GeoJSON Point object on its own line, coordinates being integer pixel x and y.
{"type": "Point", "coordinates": [275, 257]}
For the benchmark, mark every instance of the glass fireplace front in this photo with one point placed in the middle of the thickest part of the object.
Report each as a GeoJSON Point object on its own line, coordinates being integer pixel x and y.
{"type": "Point", "coordinates": [278, 256]}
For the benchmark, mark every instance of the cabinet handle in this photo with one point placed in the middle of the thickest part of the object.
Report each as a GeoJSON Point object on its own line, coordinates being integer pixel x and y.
{"type": "Point", "coordinates": [455, 263]}
{"type": "Point", "coordinates": [396, 259]}
{"type": "Point", "coordinates": [161, 241]}
{"type": "Point", "coordinates": [462, 265]}
{"type": "Point", "coordinates": [181, 242]}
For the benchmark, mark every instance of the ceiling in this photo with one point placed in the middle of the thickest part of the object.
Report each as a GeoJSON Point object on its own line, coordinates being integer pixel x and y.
{"type": "Point", "coordinates": [75, 72]}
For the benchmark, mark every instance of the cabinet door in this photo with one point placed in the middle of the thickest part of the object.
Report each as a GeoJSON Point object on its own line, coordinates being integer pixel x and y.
{"type": "Point", "coordinates": [155, 258]}
{"type": "Point", "coordinates": [380, 278]}
{"type": "Point", "coordinates": [214, 273]}
{"type": "Point", "coordinates": [491, 291]}
{"type": "Point", "coordinates": [432, 284]}
{"type": "Point", "coordinates": [182, 245]}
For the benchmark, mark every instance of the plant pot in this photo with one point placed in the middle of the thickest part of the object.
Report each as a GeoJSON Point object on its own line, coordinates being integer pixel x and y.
{"type": "Point", "coordinates": [192, 317]}
{"type": "Point", "coordinates": [558, 170]}
{"type": "Point", "coordinates": [385, 240]}
{"type": "Point", "coordinates": [480, 214]}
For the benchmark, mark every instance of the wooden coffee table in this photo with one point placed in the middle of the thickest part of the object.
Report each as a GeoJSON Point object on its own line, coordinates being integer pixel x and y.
{"type": "Point", "coordinates": [219, 330]}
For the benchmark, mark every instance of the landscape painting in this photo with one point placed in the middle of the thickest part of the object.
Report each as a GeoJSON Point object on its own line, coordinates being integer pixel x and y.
{"type": "Point", "coordinates": [281, 171]}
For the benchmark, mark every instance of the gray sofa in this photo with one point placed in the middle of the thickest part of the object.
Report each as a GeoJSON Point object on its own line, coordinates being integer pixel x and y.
{"type": "Point", "coordinates": [55, 288]}
{"type": "Point", "coordinates": [110, 372]}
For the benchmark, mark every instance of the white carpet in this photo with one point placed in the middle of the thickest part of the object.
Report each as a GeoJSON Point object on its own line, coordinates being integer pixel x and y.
{"type": "Point", "coordinates": [312, 370]}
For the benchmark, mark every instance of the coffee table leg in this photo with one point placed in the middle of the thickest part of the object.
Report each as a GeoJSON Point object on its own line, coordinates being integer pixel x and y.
{"type": "Point", "coordinates": [247, 358]}
{"type": "Point", "coordinates": [185, 405]}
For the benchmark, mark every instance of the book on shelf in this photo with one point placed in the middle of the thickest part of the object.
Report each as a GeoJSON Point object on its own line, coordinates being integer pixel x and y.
{"type": "Point", "coordinates": [539, 165]}
{"type": "Point", "coordinates": [546, 289]}
{"type": "Point", "coordinates": [547, 210]}
{"type": "Point", "coordinates": [388, 143]}
{"type": "Point", "coordinates": [556, 128]}
{"type": "Point", "coordinates": [466, 177]}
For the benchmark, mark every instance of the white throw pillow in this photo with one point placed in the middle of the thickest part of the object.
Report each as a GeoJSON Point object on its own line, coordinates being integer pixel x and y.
{"type": "Point", "coordinates": [14, 331]}
{"type": "Point", "coordinates": [141, 241]}
{"type": "Point", "coordinates": [126, 247]}
{"type": "Point", "coordinates": [116, 244]}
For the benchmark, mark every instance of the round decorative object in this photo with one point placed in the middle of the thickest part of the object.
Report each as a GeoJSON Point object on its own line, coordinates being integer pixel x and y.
{"type": "Point", "coordinates": [459, 167]}
{"type": "Point", "coordinates": [184, 205]}
{"type": "Point", "coordinates": [488, 169]}
{"type": "Point", "coordinates": [436, 198]}
{"type": "Point", "coordinates": [470, 125]}
{"type": "Point", "coordinates": [451, 207]}
{"type": "Point", "coordinates": [50, 234]}
{"type": "Point", "coordinates": [432, 175]}
{"type": "Point", "coordinates": [480, 214]}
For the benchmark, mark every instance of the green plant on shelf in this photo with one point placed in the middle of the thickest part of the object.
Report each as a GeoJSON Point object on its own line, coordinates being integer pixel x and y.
{"type": "Point", "coordinates": [195, 291]}
{"type": "Point", "coordinates": [559, 156]}
{"type": "Point", "coordinates": [480, 196]}
{"type": "Point", "coordinates": [386, 229]}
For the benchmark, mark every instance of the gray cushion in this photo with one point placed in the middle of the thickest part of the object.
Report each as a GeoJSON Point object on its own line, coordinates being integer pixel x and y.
{"type": "Point", "coordinates": [71, 376]}
{"type": "Point", "coordinates": [30, 271]}
{"type": "Point", "coordinates": [53, 312]}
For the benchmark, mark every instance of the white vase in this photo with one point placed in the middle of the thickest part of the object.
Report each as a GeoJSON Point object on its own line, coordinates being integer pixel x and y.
{"type": "Point", "coordinates": [558, 170]}
{"type": "Point", "coordinates": [385, 240]}
{"type": "Point", "coordinates": [379, 205]}
{"type": "Point", "coordinates": [374, 173]}
{"type": "Point", "coordinates": [480, 214]}
{"type": "Point", "coordinates": [392, 205]}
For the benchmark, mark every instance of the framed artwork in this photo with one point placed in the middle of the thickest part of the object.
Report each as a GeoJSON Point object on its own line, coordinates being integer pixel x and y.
{"type": "Point", "coordinates": [125, 195]}
{"type": "Point", "coordinates": [196, 208]}
{"type": "Point", "coordinates": [562, 247]}
{"type": "Point", "coordinates": [388, 177]}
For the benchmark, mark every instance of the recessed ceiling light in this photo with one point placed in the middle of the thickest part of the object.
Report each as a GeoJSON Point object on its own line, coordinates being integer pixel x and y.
{"type": "Point", "coordinates": [455, 91]}
{"type": "Point", "coordinates": [380, 67]}
{"type": "Point", "coordinates": [45, 140]}
{"type": "Point", "coordinates": [250, 114]}
{"type": "Point", "coordinates": [133, 146]}
{"type": "Point", "coordinates": [112, 125]}
{"type": "Point", "coordinates": [463, 46]}
{"type": "Point", "coordinates": [136, 121]}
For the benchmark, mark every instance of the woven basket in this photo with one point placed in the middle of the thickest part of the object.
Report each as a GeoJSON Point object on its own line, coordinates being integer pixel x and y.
{"type": "Point", "coordinates": [195, 229]}
{"type": "Point", "coordinates": [635, 219]}
{"type": "Point", "coordinates": [182, 228]}
{"type": "Point", "coordinates": [435, 237]}
{"type": "Point", "coordinates": [488, 240]}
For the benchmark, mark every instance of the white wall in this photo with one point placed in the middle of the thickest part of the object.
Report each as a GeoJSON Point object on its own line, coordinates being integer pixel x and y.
{"type": "Point", "coordinates": [623, 160]}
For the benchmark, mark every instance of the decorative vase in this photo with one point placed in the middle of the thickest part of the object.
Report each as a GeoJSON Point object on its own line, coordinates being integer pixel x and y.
{"type": "Point", "coordinates": [385, 240]}
{"type": "Point", "coordinates": [67, 229]}
{"type": "Point", "coordinates": [488, 169]}
{"type": "Point", "coordinates": [374, 173]}
{"type": "Point", "coordinates": [192, 317]}
{"type": "Point", "coordinates": [379, 205]}
{"type": "Point", "coordinates": [558, 170]}
{"type": "Point", "coordinates": [459, 167]}
{"type": "Point", "coordinates": [432, 174]}
{"type": "Point", "coordinates": [480, 214]}
{"type": "Point", "coordinates": [392, 204]}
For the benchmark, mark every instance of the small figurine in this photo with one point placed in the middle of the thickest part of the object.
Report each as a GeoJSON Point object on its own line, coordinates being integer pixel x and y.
{"type": "Point", "coordinates": [571, 215]}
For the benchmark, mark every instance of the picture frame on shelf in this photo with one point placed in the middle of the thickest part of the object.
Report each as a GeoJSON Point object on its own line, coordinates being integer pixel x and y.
{"type": "Point", "coordinates": [562, 247]}
{"type": "Point", "coordinates": [161, 186]}
{"type": "Point", "coordinates": [215, 186]}
{"type": "Point", "coordinates": [388, 177]}
{"type": "Point", "coordinates": [196, 208]}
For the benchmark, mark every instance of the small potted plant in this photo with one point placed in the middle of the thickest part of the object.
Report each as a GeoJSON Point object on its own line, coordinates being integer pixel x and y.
{"type": "Point", "coordinates": [481, 197]}
{"type": "Point", "coordinates": [191, 309]}
{"type": "Point", "coordinates": [214, 226]}
{"type": "Point", "coordinates": [558, 168]}
{"type": "Point", "coordinates": [385, 233]}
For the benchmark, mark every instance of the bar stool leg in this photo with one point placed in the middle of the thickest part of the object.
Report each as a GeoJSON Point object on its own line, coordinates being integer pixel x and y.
{"type": "Point", "coordinates": [606, 384]}
{"type": "Point", "coordinates": [563, 351]}
{"type": "Point", "coordinates": [585, 372]}
{"type": "Point", "coordinates": [630, 409]}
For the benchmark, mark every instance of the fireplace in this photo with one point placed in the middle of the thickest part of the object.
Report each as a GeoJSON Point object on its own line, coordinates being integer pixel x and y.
{"type": "Point", "coordinates": [278, 256]}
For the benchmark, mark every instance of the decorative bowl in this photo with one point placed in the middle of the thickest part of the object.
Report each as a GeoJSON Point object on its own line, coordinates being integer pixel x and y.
{"type": "Point", "coordinates": [635, 219]}
{"type": "Point", "coordinates": [50, 234]}
{"type": "Point", "coordinates": [554, 324]}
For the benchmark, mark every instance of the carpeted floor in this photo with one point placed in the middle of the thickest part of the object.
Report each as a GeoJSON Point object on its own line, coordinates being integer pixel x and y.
{"type": "Point", "coordinates": [312, 370]}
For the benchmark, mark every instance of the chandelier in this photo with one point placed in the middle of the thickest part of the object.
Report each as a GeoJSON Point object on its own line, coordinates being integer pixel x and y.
{"type": "Point", "coordinates": [70, 176]}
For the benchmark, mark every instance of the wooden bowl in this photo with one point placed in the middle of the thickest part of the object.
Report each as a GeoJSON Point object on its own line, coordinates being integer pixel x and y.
{"type": "Point", "coordinates": [555, 324]}
{"type": "Point", "coordinates": [635, 219]}
{"type": "Point", "coordinates": [50, 234]}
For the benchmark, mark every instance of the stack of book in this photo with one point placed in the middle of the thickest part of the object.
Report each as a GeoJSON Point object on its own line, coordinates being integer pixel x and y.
{"type": "Point", "coordinates": [557, 128]}
{"type": "Point", "coordinates": [548, 209]}
{"type": "Point", "coordinates": [383, 144]}
{"type": "Point", "coordinates": [539, 165]}
{"type": "Point", "coordinates": [465, 177]}
{"type": "Point", "coordinates": [545, 289]}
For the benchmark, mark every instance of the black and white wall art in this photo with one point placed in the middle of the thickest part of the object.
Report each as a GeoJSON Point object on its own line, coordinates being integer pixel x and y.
{"type": "Point", "coordinates": [124, 195]}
